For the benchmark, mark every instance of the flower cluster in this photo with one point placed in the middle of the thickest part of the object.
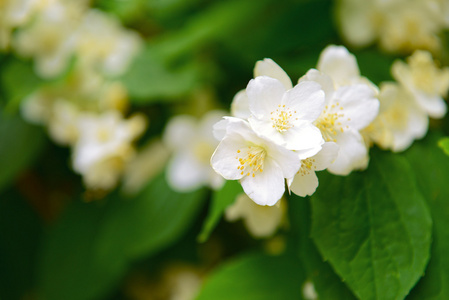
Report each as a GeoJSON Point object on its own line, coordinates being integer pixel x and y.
{"type": "Point", "coordinates": [280, 133]}
{"type": "Point", "coordinates": [406, 105]}
{"type": "Point", "coordinates": [398, 25]}
{"type": "Point", "coordinates": [86, 108]}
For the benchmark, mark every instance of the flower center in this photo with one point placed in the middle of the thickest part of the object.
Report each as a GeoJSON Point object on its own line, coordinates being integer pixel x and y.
{"type": "Point", "coordinates": [251, 160]}
{"type": "Point", "coordinates": [307, 166]}
{"type": "Point", "coordinates": [282, 118]}
{"type": "Point", "coordinates": [329, 122]}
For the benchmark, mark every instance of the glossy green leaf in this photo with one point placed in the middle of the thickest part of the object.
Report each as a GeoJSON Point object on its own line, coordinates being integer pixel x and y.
{"type": "Point", "coordinates": [374, 228]}
{"type": "Point", "coordinates": [327, 284]}
{"type": "Point", "coordinates": [431, 167]}
{"type": "Point", "coordinates": [256, 277]}
{"type": "Point", "coordinates": [90, 248]}
{"type": "Point", "coordinates": [444, 144]}
{"type": "Point", "coordinates": [20, 144]}
{"type": "Point", "coordinates": [220, 201]}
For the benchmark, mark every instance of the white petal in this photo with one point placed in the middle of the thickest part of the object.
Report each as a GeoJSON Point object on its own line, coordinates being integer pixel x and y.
{"type": "Point", "coordinates": [339, 64]}
{"type": "Point", "coordinates": [307, 99]}
{"type": "Point", "coordinates": [207, 122]}
{"type": "Point", "coordinates": [224, 160]}
{"type": "Point", "coordinates": [434, 105]}
{"type": "Point", "coordinates": [219, 129]}
{"type": "Point", "coordinates": [303, 136]}
{"type": "Point", "coordinates": [267, 187]}
{"type": "Point", "coordinates": [264, 95]}
{"type": "Point", "coordinates": [327, 85]}
{"type": "Point", "coordinates": [304, 185]}
{"type": "Point", "coordinates": [179, 131]}
{"type": "Point", "coordinates": [288, 161]}
{"type": "Point", "coordinates": [268, 67]}
{"type": "Point", "coordinates": [360, 105]}
{"type": "Point", "coordinates": [351, 155]}
{"type": "Point", "coordinates": [185, 173]}
{"type": "Point", "coordinates": [326, 156]}
{"type": "Point", "coordinates": [265, 129]}
{"type": "Point", "coordinates": [240, 105]}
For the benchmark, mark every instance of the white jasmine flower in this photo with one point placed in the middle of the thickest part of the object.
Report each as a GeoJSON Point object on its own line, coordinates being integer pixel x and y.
{"type": "Point", "coordinates": [398, 25]}
{"type": "Point", "coordinates": [193, 143]}
{"type": "Point", "coordinates": [286, 116]}
{"type": "Point", "coordinates": [305, 181]}
{"type": "Point", "coordinates": [259, 164]}
{"type": "Point", "coordinates": [36, 108]}
{"type": "Point", "coordinates": [260, 221]}
{"type": "Point", "coordinates": [105, 45]}
{"type": "Point", "coordinates": [50, 39]}
{"type": "Point", "coordinates": [400, 120]}
{"type": "Point", "coordinates": [104, 146]}
{"type": "Point", "coordinates": [426, 83]}
{"type": "Point", "coordinates": [350, 106]}
{"type": "Point", "coordinates": [266, 67]}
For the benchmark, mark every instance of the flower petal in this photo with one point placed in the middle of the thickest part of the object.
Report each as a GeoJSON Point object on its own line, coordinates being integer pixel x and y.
{"type": "Point", "coordinates": [267, 187]}
{"type": "Point", "coordinates": [326, 156]}
{"type": "Point", "coordinates": [434, 105]}
{"type": "Point", "coordinates": [303, 136]}
{"type": "Point", "coordinates": [268, 67]}
{"type": "Point", "coordinates": [304, 185]}
{"type": "Point", "coordinates": [185, 173]}
{"type": "Point", "coordinates": [327, 85]}
{"type": "Point", "coordinates": [264, 95]}
{"type": "Point", "coordinates": [359, 103]}
{"type": "Point", "coordinates": [240, 105]}
{"type": "Point", "coordinates": [307, 99]}
{"type": "Point", "coordinates": [179, 131]}
{"type": "Point", "coordinates": [339, 64]}
{"type": "Point", "coordinates": [352, 154]}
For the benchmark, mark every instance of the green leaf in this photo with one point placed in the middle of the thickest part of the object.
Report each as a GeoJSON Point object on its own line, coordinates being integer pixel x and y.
{"type": "Point", "coordinates": [220, 201]}
{"type": "Point", "coordinates": [374, 228]}
{"type": "Point", "coordinates": [327, 284]}
{"type": "Point", "coordinates": [90, 248]}
{"type": "Point", "coordinates": [19, 80]}
{"type": "Point", "coordinates": [444, 144]}
{"type": "Point", "coordinates": [20, 144]}
{"type": "Point", "coordinates": [431, 167]}
{"type": "Point", "coordinates": [256, 277]}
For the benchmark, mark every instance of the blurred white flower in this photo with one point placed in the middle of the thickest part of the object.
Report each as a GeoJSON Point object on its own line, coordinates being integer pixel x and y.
{"type": "Point", "coordinates": [144, 166]}
{"type": "Point", "coordinates": [260, 221]}
{"type": "Point", "coordinates": [104, 146]}
{"type": "Point", "coordinates": [192, 143]}
{"type": "Point", "coordinates": [103, 44]}
{"type": "Point", "coordinates": [259, 164]}
{"type": "Point", "coordinates": [350, 106]}
{"type": "Point", "coordinates": [62, 124]}
{"type": "Point", "coordinates": [400, 120]}
{"type": "Point", "coordinates": [426, 83]}
{"type": "Point", "coordinates": [399, 25]}
{"type": "Point", "coordinates": [305, 181]}
{"type": "Point", "coordinates": [50, 39]}
{"type": "Point", "coordinates": [36, 108]}
{"type": "Point", "coordinates": [14, 13]}
{"type": "Point", "coordinates": [308, 291]}
{"type": "Point", "coordinates": [286, 116]}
